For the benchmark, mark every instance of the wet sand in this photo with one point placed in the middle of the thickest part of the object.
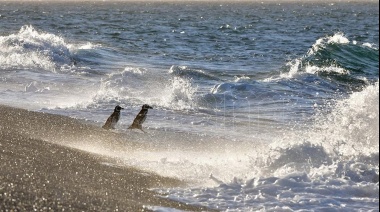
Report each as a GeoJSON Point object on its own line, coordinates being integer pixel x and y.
{"type": "Point", "coordinates": [40, 171]}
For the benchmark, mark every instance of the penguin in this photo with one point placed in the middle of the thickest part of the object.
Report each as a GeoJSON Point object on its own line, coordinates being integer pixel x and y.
{"type": "Point", "coordinates": [113, 119]}
{"type": "Point", "coordinates": [140, 118]}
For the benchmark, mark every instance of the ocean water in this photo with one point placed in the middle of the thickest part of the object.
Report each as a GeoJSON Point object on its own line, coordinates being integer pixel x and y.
{"type": "Point", "coordinates": [259, 106]}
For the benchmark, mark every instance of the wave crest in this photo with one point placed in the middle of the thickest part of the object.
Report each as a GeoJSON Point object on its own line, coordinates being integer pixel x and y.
{"type": "Point", "coordinates": [353, 124]}
{"type": "Point", "coordinates": [321, 43]}
{"type": "Point", "coordinates": [335, 59]}
{"type": "Point", "coordinates": [32, 49]}
{"type": "Point", "coordinates": [135, 86]}
{"type": "Point", "coordinates": [186, 72]}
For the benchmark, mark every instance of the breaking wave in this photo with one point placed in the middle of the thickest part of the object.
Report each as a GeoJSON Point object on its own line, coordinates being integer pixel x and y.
{"type": "Point", "coordinates": [337, 156]}
{"type": "Point", "coordinates": [337, 60]}
{"type": "Point", "coordinates": [347, 132]}
{"type": "Point", "coordinates": [137, 86]}
{"type": "Point", "coordinates": [34, 49]}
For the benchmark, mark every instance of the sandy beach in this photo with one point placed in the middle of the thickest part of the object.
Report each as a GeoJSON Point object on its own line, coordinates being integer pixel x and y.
{"type": "Point", "coordinates": [40, 171]}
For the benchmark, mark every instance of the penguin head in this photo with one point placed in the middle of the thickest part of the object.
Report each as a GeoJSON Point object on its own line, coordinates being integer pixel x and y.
{"type": "Point", "coordinates": [146, 107]}
{"type": "Point", "coordinates": [118, 108]}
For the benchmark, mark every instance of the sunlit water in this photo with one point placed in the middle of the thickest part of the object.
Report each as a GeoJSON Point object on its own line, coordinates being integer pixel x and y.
{"type": "Point", "coordinates": [259, 106]}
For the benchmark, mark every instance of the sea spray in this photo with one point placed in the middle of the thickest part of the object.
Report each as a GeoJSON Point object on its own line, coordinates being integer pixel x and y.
{"type": "Point", "coordinates": [245, 114]}
{"type": "Point", "coordinates": [354, 123]}
{"type": "Point", "coordinates": [337, 155]}
{"type": "Point", "coordinates": [30, 48]}
{"type": "Point", "coordinates": [141, 86]}
{"type": "Point", "coordinates": [337, 38]}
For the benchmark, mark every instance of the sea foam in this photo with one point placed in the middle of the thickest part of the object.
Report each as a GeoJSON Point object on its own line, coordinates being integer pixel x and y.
{"type": "Point", "coordinates": [30, 48]}
{"type": "Point", "coordinates": [331, 165]}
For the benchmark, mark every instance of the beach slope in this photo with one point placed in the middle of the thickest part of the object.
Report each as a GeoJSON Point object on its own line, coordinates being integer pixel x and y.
{"type": "Point", "coordinates": [40, 171]}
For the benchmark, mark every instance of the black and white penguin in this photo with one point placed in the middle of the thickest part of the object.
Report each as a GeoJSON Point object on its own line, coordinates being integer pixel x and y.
{"type": "Point", "coordinates": [140, 118]}
{"type": "Point", "coordinates": [113, 119]}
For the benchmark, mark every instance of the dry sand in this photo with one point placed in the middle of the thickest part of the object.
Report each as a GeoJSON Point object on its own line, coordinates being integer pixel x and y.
{"type": "Point", "coordinates": [39, 171]}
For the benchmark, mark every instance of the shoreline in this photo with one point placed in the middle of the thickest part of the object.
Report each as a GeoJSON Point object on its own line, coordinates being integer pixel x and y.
{"type": "Point", "coordinates": [40, 171]}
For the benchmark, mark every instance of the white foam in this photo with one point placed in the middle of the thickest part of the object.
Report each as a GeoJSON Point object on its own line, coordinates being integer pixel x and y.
{"type": "Point", "coordinates": [242, 79]}
{"type": "Point", "coordinates": [35, 87]}
{"type": "Point", "coordinates": [353, 121]}
{"type": "Point", "coordinates": [140, 86]}
{"type": "Point", "coordinates": [294, 192]}
{"type": "Point", "coordinates": [32, 49]}
{"type": "Point", "coordinates": [161, 209]}
{"type": "Point", "coordinates": [87, 45]}
{"type": "Point", "coordinates": [331, 69]}
{"type": "Point", "coordinates": [180, 94]}
{"type": "Point", "coordinates": [294, 68]}
{"type": "Point", "coordinates": [297, 67]}
{"type": "Point", "coordinates": [332, 165]}
{"type": "Point", "coordinates": [371, 45]}
{"type": "Point", "coordinates": [348, 132]}
{"type": "Point", "coordinates": [311, 168]}
{"type": "Point", "coordinates": [338, 38]}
